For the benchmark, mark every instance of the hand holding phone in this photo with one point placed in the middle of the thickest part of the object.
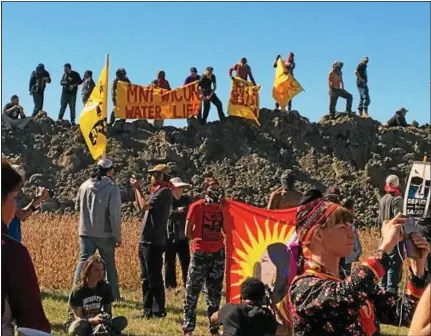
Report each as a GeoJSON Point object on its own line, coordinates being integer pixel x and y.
{"type": "Point", "coordinates": [410, 228]}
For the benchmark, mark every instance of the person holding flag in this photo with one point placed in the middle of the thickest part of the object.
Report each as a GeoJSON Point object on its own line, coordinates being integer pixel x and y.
{"type": "Point", "coordinates": [92, 121]}
{"type": "Point", "coordinates": [290, 66]}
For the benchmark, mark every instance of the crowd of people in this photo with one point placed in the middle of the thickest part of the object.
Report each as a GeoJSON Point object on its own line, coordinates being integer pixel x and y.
{"type": "Point", "coordinates": [327, 297]}
{"type": "Point", "coordinates": [13, 113]}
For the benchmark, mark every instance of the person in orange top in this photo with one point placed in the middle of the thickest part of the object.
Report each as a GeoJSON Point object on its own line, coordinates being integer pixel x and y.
{"type": "Point", "coordinates": [243, 70]}
{"type": "Point", "coordinates": [204, 228]}
{"type": "Point", "coordinates": [336, 89]}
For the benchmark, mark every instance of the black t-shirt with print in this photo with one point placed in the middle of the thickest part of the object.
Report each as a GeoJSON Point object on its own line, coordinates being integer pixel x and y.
{"type": "Point", "coordinates": [155, 222]}
{"type": "Point", "coordinates": [205, 84]}
{"type": "Point", "coordinates": [91, 300]}
{"type": "Point", "coordinates": [237, 322]}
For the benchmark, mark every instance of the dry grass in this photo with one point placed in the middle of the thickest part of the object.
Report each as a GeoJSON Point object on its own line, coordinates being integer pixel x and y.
{"type": "Point", "coordinates": [54, 246]}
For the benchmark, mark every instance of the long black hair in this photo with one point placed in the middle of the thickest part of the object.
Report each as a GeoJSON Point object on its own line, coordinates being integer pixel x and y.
{"type": "Point", "coordinates": [10, 179]}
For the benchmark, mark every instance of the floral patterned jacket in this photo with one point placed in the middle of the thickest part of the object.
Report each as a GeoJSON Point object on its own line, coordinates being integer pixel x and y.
{"type": "Point", "coordinates": [323, 304]}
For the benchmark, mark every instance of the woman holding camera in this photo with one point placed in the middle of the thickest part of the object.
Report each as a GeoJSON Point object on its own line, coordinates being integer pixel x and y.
{"type": "Point", "coordinates": [322, 303]}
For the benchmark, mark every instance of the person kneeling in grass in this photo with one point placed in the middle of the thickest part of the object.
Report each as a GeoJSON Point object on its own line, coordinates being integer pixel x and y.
{"type": "Point", "coordinates": [91, 301]}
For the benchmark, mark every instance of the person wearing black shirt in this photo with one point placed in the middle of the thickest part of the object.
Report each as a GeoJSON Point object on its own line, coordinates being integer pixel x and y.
{"type": "Point", "coordinates": [399, 118]}
{"type": "Point", "coordinates": [70, 82]}
{"type": "Point", "coordinates": [207, 86]}
{"type": "Point", "coordinates": [38, 80]}
{"type": "Point", "coordinates": [250, 317]}
{"type": "Point", "coordinates": [120, 75]}
{"type": "Point", "coordinates": [87, 86]}
{"type": "Point", "coordinates": [177, 240]}
{"type": "Point", "coordinates": [90, 302]}
{"type": "Point", "coordinates": [11, 112]}
{"type": "Point", "coordinates": [153, 238]}
{"type": "Point", "coordinates": [362, 84]}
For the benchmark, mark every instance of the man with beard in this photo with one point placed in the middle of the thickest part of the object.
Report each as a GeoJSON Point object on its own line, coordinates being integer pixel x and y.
{"type": "Point", "coordinates": [38, 80]}
{"type": "Point", "coordinates": [153, 238]}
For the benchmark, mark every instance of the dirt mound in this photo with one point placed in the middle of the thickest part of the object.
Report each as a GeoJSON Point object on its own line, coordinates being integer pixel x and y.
{"type": "Point", "coordinates": [355, 154]}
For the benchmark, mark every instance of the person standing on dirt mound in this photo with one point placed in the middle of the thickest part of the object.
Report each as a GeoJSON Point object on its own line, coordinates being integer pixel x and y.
{"type": "Point", "coordinates": [290, 66]}
{"type": "Point", "coordinates": [207, 86]}
{"type": "Point", "coordinates": [362, 84]}
{"type": "Point", "coordinates": [285, 197]}
{"type": "Point", "coordinates": [242, 70]}
{"type": "Point", "coordinates": [120, 76]}
{"type": "Point", "coordinates": [336, 89]}
{"type": "Point", "coordinates": [99, 205]}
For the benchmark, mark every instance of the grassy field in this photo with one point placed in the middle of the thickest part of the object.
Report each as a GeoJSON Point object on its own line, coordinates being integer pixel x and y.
{"type": "Point", "coordinates": [54, 247]}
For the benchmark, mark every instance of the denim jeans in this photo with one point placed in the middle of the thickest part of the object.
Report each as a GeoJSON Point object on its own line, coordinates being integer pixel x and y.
{"type": "Point", "coordinates": [38, 102]}
{"type": "Point", "coordinates": [106, 248]}
{"type": "Point", "coordinates": [364, 98]}
{"type": "Point", "coordinates": [68, 98]}
{"type": "Point", "coordinates": [391, 279]}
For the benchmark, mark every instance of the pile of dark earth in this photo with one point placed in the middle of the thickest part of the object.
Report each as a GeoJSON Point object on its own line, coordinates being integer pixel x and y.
{"type": "Point", "coordinates": [353, 153]}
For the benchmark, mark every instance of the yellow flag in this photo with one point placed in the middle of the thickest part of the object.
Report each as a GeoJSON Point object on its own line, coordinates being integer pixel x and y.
{"type": "Point", "coordinates": [92, 121]}
{"type": "Point", "coordinates": [285, 85]}
{"type": "Point", "coordinates": [244, 100]}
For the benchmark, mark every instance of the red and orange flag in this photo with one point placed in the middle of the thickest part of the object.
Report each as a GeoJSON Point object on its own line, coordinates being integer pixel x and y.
{"type": "Point", "coordinates": [256, 246]}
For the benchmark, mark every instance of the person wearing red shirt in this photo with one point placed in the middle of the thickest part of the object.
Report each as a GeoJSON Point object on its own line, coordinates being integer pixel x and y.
{"type": "Point", "coordinates": [204, 228]}
{"type": "Point", "coordinates": [242, 70]}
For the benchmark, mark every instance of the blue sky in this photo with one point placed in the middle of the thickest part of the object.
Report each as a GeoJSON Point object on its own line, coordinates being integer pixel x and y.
{"type": "Point", "coordinates": [147, 37]}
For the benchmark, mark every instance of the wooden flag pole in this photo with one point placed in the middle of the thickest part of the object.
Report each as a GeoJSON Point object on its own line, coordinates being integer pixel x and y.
{"type": "Point", "coordinates": [105, 100]}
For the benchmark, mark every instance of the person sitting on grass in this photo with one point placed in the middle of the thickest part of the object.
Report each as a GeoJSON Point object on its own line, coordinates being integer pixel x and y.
{"type": "Point", "coordinates": [91, 301]}
{"type": "Point", "coordinates": [322, 303]}
{"type": "Point", "coordinates": [250, 317]}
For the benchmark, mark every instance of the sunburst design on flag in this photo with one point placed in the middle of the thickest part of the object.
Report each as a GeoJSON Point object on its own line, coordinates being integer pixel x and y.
{"type": "Point", "coordinates": [251, 257]}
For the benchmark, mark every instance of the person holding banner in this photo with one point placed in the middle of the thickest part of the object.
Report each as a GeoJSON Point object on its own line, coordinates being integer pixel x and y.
{"type": "Point", "coordinates": [120, 75]}
{"type": "Point", "coordinates": [207, 87]}
{"type": "Point", "coordinates": [160, 83]}
{"type": "Point", "coordinates": [242, 70]}
{"type": "Point", "coordinates": [290, 66]}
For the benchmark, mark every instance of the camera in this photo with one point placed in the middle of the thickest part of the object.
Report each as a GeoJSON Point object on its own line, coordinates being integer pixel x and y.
{"type": "Point", "coordinates": [409, 227]}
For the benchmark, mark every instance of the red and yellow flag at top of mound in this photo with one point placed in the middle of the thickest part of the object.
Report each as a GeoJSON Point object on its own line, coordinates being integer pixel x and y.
{"type": "Point", "coordinates": [285, 85]}
{"type": "Point", "coordinates": [244, 100]}
{"type": "Point", "coordinates": [256, 246]}
{"type": "Point", "coordinates": [92, 121]}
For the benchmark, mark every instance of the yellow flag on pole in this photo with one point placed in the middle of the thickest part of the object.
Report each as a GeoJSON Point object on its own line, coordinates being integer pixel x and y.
{"type": "Point", "coordinates": [285, 85]}
{"type": "Point", "coordinates": [92, 121]}
{"type": "Point", "coordinates": [244, 100]}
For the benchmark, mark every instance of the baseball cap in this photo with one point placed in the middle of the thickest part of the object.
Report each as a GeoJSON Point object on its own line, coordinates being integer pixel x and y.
{"type": "Point", "coordinates": [67, 65]}
{"type": "Point", "coordinates": [14, 97]}
{"type": "Point", "coordinates": [161, 168]}
{"type": "Point", "coordinates": [403, 109]}
{"type": "Point", "coordinates": [210, 68]}
{"type": "Point", "coordinates": [19, 170]}
{"type": "Point", "coordinates": [244, 60]}
{"type": "Point", "coordinates": [105, 163]}
{"type": "Point", "coordinates": [392, 183]}
{"type": "Point", "coordinates": [178, 183]}
{"type": "Point", "coordinates": [193, 69]}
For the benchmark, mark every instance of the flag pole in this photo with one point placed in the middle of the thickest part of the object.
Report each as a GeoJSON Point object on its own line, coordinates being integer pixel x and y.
{"type": "Point", "coordinates": [105, 100]}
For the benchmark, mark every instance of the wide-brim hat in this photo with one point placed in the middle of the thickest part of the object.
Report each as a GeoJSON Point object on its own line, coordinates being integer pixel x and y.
{"type": "Point", "coordinates": [161, 168]}
{"type": "Point", "coordinates": [178, 183]}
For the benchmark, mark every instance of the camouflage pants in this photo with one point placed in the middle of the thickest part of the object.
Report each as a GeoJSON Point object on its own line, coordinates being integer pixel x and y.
{"type": "Point", "coordinates": [206, 268]}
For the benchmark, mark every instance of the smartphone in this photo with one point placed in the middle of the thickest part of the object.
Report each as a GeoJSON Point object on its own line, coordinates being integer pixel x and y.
{"type": "Point", "coordinates": [409, 227]}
